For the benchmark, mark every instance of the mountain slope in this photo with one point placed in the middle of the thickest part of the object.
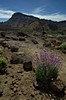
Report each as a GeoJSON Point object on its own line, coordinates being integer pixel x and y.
{"type": "Point", "coordinates": [28, 23]}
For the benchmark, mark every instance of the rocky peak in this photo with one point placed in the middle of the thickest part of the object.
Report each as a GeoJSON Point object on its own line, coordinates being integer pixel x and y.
{"type": "Point", "coordinates": [22, 18]}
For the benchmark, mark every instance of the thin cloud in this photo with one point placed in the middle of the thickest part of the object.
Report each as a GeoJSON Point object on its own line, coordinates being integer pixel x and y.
{"type": "Point", "coordinates": [54, 17]}
{"type": "Point", "coordinates": [38, 10]}
{"type": "Point", "coordinates": [6, 13]}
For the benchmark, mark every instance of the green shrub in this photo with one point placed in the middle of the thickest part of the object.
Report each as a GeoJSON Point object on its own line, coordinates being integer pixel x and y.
{"type": "Point", "coordinates": [63, 46]}
{"type": "Point", "coordinates": [3, 65]}
{"type": "Point", "coordinates": [47, 67]}
{"type": "Point", "coordinates": [61, 36]}
{"type": "Point", "coordinates": [45, 73]}
{"type": "Point", "coordinates": [1, 51]}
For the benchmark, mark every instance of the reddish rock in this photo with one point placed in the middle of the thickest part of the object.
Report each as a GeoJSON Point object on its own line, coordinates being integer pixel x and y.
{"type": "Point", "coordinates": [57, 86]}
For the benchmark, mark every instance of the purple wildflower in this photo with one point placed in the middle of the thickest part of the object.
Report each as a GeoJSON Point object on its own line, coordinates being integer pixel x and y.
{"type": "Point", "coordinates": [37, 60]}
{"type": "Point", "coordinates": [48, 58]}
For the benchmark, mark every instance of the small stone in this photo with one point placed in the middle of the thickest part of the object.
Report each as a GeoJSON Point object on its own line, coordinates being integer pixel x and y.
{"type": "Point", "coordinates": [1, 93]}
{"type": "Point", "coordinates": [22, 74]}
{"type": "Point", "coordinates": [46, 95]}
{"type": "Point", "coordinates": [5, 82]}
{"type": "Point", "coordinates": [15, 90]}
{"type": "Point", "coordinates": [19, 71]}
{"type": "Point", "coordinates": [24, 93]}
{"type": "Point", "coordinates": [19, 92]}
{"type": "Point", "coordinates": [9, 66]}
{"type": "Point", "coordinates": [50, 95]}
{"type": "Point", "coordinates": [17, 82]}
{"type": "Point", "coordinates": [13, 82]}
{"type": "Point", "coordinates": [53, 99]}
{"type": "Point", "coordinates": [36, 85]}
{"type": "Point", "coordinates": [15, 85]}
{"type": "Point", "coordinates": [12, 76]}
{"type": "Point", "coordinates": [53, 96]}
{"type": "Point", "coordinates": [32, 94]}
{"type": "Point", "coordinates": [52, 79]}
{"type": "Point", "coordinates": [19, 79]}
{"type": "Point", "coordinates": [21, 53]}
{"type": "Point", "coordinates": [11, 87]}
{"type": "Point", "coordinates": [65, 92]}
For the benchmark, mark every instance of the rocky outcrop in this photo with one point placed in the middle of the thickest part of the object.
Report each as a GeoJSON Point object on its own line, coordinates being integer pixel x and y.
{"type": "Point", "coordinates": [18, 19]}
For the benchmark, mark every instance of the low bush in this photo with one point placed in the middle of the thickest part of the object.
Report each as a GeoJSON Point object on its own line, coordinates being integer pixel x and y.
{"type": "Point", "coordinates": [63, 46]}
{"type": "Point", "coordinates": [1, 51]}
{"type": "Point", "coordinates": [3, 65]}
{"type": "Point", "coordinates": [61, 36]}
{"type": "Point", "coordinates": [47, 67]}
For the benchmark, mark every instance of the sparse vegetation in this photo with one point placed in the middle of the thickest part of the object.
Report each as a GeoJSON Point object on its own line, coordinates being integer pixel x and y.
{"type": "Point", "coordinates": [59, 36]}
{"type": "Point", "coordinates": [3, 65]}
{"type": "Point", "coordinates": [63, 46]}
{"type": "Point", "coordinates": [1, 51]}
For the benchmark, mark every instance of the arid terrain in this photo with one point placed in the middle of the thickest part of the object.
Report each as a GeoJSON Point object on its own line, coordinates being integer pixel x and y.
{"type": "Point", "coordinates": [21, 47]}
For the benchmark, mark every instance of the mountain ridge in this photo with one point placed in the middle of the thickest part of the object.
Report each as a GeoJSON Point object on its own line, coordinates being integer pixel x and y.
{"type": "Point", "coordinates": [26, 22]}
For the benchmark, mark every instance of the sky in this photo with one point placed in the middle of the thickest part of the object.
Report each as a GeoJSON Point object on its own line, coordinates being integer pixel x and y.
{"type": "Point", "coordinates": [44, 9]}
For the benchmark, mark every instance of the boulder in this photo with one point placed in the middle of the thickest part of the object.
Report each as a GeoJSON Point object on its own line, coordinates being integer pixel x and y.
{"type": "Point", "coordinates": [14, 49]}
{"type": "Point", "coordinates": [21, 39]}
{"type": "Point", "coordinates": [2, 34]}
{"type": "Point", "coordinates": [27, 65]}
{"type": "Point", "coordinates": [4, 43]}
{"type": "Point", "coordinates": [17, 59]}
{"type": "Point", "coordinates": [57, 86]}
{"type": "Point", "coordinates": [14, 38]}
{"type": "Point", "coordinates": [34, 41]}
{"type": "Point", "coordinates": [7, 37]}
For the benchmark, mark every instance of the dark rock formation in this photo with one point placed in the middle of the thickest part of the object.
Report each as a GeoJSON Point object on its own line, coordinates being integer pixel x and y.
{"type": "Point", "coordinates": [57, 86]}
{"type": "Point", "coordinates": [27, 65]}
{"type": "Point", "coordinates": [14, 49]}
{"type": "Point", "coordinates": [34, 41]}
